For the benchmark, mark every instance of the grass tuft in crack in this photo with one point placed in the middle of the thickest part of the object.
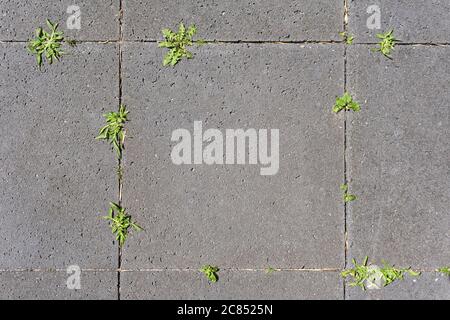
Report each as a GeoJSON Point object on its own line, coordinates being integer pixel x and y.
{"type": "Point", "coordinates": [366, 275]}
{"type": "Point", "coordinates": [347, 197]}
{"type": "Point", "coordinates": [387, 43]}
{"type": "Point", "coordinates": [48, 44]}
{"type": "Point", "coordinates": [120, 222]}
{"type": "Point", "coordinates": [210, 272]}
{"type": "Point", "coordinates": [114, 133]}
{"type": "Point", "coordinates": [346, 103]}
{"type": "Point", "coordinates": [444, 271]}
{"type": "Point", "coordinates": [177, 44]}
{"type": "Point", "coordinates": [346, 37]}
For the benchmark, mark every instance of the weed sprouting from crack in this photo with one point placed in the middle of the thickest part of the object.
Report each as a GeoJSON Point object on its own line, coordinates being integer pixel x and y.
{"type": "Point", "coordinates": [387, 43]}
{"type": "Point", "coordinates": [444, 271]}
{"type": "Point", "coordinates": [347, 196]}
{"type": "Point", "coordinates": [48, 44]}
{"type": "Point", "coordinates": [120, 222]}
{"type": "Point", "coordinates": [365, 275]}
{"type": "Point", "coordinates": [270, 270]}
{"type": "Point", "coordinates": [346, 37]}
{"type": "Point", "coordinates": [210, 272]}
{"type": "Point", "coordinates": [114, 133]}
{"type": "Point", "coordinates": [347, 103]}
{"type": "Point", "coordinates": [177, 44]}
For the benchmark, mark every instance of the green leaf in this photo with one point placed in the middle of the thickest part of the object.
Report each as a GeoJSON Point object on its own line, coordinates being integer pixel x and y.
{"type": "Point", "coordinates": [349, 197]}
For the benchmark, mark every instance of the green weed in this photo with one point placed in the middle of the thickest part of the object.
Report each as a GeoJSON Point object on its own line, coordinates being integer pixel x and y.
{"type": "Point", "coordinates": [114, 131]}
{"type": "Point", "coordinates": [347, 37]}
{"type": "Point", "coordinates": [346, 103]}
{"type": "Point", "coordinates": [387, 43]}
{"type": "Point", "coordinates": [444, 271]}
{"type": "Point", "coordinates": [120, 222]}
{"type": "Point", "coordinates": [210, 272]}
{"type": "Point", "coordinates": [270, 270]}
{"type": "Point", "coordinates": [347, 197]}
{"type": "Point", "coordinates": [177, 44]}
{"type": "Point", "coordinates": [364, 273]}
{"type": "Point", "coordinates": [47, 43]}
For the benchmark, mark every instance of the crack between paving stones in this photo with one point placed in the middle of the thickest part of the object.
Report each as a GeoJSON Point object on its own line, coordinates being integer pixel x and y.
{"type": "Point", "coordinates": [262, 42]}
{"type": "Point", "coordinates": [196, 271]}
{"type": "Point", "coordinates": [345, 25]}
{"type": "Point", "coordinates": [120, 162]}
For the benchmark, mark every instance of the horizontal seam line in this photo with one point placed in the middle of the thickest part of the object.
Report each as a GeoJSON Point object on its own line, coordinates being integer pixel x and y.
{"type": "Point", "coordinates": [330, 42]}
{"type": "Point", "coordinates": [196, 270]}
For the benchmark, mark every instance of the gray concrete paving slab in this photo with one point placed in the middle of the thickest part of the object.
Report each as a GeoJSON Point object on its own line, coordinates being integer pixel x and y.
{"type": "Point", "coordinates": [398, 156]}
{"type": "Point", "coordinates": [286, 20]}
{"type": "Point", "coordinates": [56, 179]}
{"type": "Point", "coordinates": [429, 286]}
{"type": "Point", "coordinates": [291, 285]}
{"type": "Point", "coordinates": [230, 215]}
{"type": "Point", "coordinates": [413, 20]}
{"type": "Point", "coordinates": [41, 285]}
{"type": "Point", "coordinates": [99, 19]}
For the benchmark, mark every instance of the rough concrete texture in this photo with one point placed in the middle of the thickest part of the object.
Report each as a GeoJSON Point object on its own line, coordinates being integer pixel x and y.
{"type": "Point", "coordinates": [398, 156]}
{"type": "Point", "coordinates": [99, 18]}
{"type": "Point", "coordinates": [413, 20]}
{"type": "Point", "coordinates": [56, 179]}
{"type": "Point", "coordinates": [287, 20]}
{"type": "Point", "coordinates": [429, 286]}
{"type": "Point", "coordinates": [36, 285]}
{"type": "Point", "coordinates": [230, 215]}
{"type": "Point", "coordinates": [232, 285]}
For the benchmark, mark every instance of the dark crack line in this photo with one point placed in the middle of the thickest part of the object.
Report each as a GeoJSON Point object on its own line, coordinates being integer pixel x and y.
{"type": "Point", "coordinates": [345, 25]}
{"type": "Point", "coordinates": [120, 162]}
{"type": "Point", "coordinates": [276, 42]}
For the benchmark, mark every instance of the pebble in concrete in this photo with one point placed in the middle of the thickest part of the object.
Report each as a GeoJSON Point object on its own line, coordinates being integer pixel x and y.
{"type": "Point", "coordinates": [230, 215]}
{"type": "Point", "coordinates": [398, 156]}
{"type": "Point", "coordinates": [99, 19]}
{"type": "Point", "coordinates": [412, 20]}
{"type": "Point", "coordinates": [243, 285]}
{"type": "Point", "coordinates": [56, 178]}
{"type": "Point", "coordinates": [287, 20]}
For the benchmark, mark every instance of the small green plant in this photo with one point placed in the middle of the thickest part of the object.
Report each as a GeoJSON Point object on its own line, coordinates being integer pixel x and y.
{"type": "Point", "coordinates": [365, 274]}
{"type": "Point", "coordinates": [120, 222]}
{"type": "Point", "coordinates": [177, 44]}
{"type": "Point", "coordinates": [210, 272]}
{"type": "Point", "coordinates": [347, 37]}
{"type": "Point", "coordinates": [114, 131]}
{"type": "Point", "coordinates": [444, 271]}
{"type": "Point", "coordinates": [347, 197]}
{"type": "Point", "coordinates": [387, 43]}
{"type": "Point", "coordinates": [270, 270]}
{"type": "Point", "coordinates": [47, 43]}
{"type": "Point", "coordinates": [346, 103]}
{"type": "Point", "coordinates": [391, 274]}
